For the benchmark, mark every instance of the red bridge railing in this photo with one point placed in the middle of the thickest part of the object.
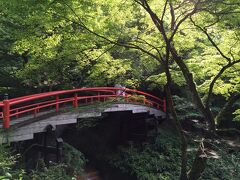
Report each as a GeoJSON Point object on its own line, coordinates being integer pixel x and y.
{"type": "Point", "coordinates": [14, 108]}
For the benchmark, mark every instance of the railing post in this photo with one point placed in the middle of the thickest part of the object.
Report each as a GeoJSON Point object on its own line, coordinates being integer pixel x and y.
{"type": "Point", "coordinates": [57, 103]}
{"type": "Point", "coordinates": [164, 105]}
{"type": "Point", "coordinates": [126, 98]}
{"type": "Point", "coordinates": [98, 97]}
{"type": "Point", "coordinates": [75, 101]}
{"type": "Point", "coordinates": [6, 114]}
{"type": "Point", "coordinates": [17, 114]}
{"type": "Point", "coordinates": [35, 113]}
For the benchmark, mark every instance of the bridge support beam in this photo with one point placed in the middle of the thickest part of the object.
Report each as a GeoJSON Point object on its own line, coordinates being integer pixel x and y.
{"type": "Point", "coordinates": [48, 148]}
{"type": "Point", "coordinates": [59, 147]}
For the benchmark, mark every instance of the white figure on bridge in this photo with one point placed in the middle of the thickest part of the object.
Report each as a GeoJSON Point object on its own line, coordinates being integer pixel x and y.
{"type": "Point", "coordinates": [120, 92]}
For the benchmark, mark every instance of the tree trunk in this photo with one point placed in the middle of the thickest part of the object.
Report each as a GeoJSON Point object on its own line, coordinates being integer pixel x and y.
{"type": "Point", "coordinates": [193, 89]}
{"type": "Point", "coordinates": [159, 23]}
{"type": "Point", "coordinates": [199, 163]}
{"type": "Point", "coordinates": [178, 126]}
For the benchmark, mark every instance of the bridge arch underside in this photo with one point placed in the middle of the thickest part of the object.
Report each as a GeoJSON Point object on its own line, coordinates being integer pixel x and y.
{"type": "Point", "coordinates": [24, 128]}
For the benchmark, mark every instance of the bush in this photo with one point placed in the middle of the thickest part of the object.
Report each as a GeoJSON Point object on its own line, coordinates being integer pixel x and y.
{"type": "Point", "coordinates": [72, 166]}
{"type": "Point", "coordinates": [185, 109]}
{"type": "Point", "coordinates": [226, 167]}
{"type": "Point", "coordinates": [74, 158]}
{"type": "Point", "coordinates": [7, 161]}
{"type": "Point", "coordinates": [51, 173]}
{"type": "Point", "coordinates": [136, 98]}
{"type": "Point", "coordinates": [160, 160]}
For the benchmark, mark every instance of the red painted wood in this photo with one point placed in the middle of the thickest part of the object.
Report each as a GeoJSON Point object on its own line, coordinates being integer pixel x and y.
{"type": "Point", "coordinates": [6, 114]}
{"type": "Point", "coordinates": [75, 101]}
{"type": "Point", "coordinates": [34, 103]}
{"type": "Point", "coordinates": [164, 105]}
{"type": "Point", "coordinates": [57, 103]}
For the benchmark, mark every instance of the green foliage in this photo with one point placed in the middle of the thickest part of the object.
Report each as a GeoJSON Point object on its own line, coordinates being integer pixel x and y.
{"type": "Point", "coordinates": [157, 81]}
{"type": "Point", "coordinates": [237, 115]}
{"type": "Point", "coordinates": [74, 158]}
{"type": "Point", "coordinates": [49, 45]}
{"type": "Point", "coordinates": [55, 39]}
{"type": "Point", "coordinates": [7, 162]}
{"type": "Point", "coordinates": [72, 166]}
{"type": "Point", "coordinates": [185, 109]}
{"type": "Point", "coordinates": [111, 71]}
{"type": "Point", "coordinates": [205, 61]}
{"type": "Point", "coordinates": [159, 160]}
{"type": "Point", "coordinates": [53, 172]}
{"type": "Point", "coordinates": [226, 167]}
{"type": "Point", "coordinates": [57, 53]}
{"type": "Point", "coordinates": [137, 98]}
{"type": "Point", "coordinates": [236, 112]}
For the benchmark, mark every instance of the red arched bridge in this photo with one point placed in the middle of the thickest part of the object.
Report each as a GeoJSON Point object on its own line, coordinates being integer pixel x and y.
{"type": "Point", "coordinates": [16, 111]}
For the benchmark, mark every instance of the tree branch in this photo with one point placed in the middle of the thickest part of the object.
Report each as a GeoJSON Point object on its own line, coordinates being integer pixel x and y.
{"type": "Point", "coordinates": [128, 45]}
{"type": "Point", "coordinates": [211, 40]}
{"type": "Point", "coordinates": [156, 20]}
{"type": "Point", "coordinates": [224, 68]}
{"type": "Point", "coordinates": [154, 47]}
{"type": "Point", "coordinates": [172, 12]}
{"type": "Point", "coordinates": [184, 19]}
{"type": "Point", "coordinates": [164, 10]}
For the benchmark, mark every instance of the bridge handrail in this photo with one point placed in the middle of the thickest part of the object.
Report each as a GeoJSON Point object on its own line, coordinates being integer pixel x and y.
{"type": "Point", "coordinates": [48, 94]}
{"type": "Point", "coordinates": [8, 109]}
{"type": "Point", "coordinates": [39, 95]}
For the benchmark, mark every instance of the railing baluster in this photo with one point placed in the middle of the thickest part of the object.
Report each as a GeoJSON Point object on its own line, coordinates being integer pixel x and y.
{"type": "Point", "coordinates": [126, 98]}
{"type": "Point", "coordinates": [164, 105]}
{"type": "Point", "coordinates": [75, 101]}
{"type": "Point", "coordinates": [98, 96]}
{"type": "Point", "coordinates": [17, 114]}
{"type": "Point", "coordinates": [35, 113]}
{"type": "Point", "coordinates": [6, 114]}
{"type": "Point", "coordinates": [57, 103]}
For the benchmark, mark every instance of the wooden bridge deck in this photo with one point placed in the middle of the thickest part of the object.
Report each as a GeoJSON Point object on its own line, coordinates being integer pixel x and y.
{"type": "Point", "coordinates": [24, 128]}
